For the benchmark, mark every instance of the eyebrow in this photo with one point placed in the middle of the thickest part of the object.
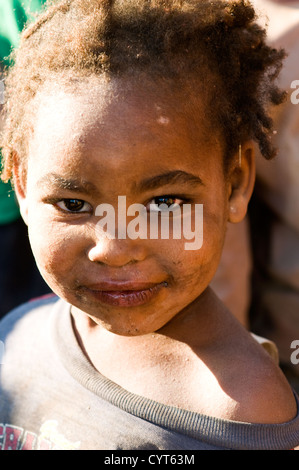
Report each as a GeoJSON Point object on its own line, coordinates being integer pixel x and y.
{"type": "Point", "coordinates": [74, 185]}
{"type": "Point", "coordinates": [80, 186]}
{"type": "Point", "coordinates": [172, 177]}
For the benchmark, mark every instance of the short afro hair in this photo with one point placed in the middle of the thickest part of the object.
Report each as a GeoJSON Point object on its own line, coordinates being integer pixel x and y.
{"type": "Point", "coordinates": [165, 38]}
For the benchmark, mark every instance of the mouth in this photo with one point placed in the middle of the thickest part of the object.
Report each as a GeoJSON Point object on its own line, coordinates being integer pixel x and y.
{"type": "Point", "coordinates": [124, 294]}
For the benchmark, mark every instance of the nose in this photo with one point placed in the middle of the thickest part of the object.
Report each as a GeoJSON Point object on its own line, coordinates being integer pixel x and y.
{"type": "Point", "coordinates": [117, 252]}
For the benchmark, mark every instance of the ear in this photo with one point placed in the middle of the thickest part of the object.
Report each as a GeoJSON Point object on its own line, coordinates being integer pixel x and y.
{"type": "Point", "coordinates": [19, 180]}
{"type": "Point", "coordinates": [242, 179]}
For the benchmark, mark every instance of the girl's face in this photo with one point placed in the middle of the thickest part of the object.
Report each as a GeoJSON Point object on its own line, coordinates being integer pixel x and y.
{"type": "Point", "coordinates": [107, 141]}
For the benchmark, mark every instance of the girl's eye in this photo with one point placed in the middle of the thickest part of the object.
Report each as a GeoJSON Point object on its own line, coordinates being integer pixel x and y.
{"type": "Point", "coordinates": [165, 203]}
{"type": "Point", "coordinates": [73, 205]}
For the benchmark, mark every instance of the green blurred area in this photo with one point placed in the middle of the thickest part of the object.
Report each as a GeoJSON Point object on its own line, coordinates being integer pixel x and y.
{"type": "Point", "coordinates": [14, 15]}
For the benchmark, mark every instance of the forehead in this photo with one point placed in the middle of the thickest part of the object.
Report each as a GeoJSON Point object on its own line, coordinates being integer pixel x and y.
{"type": "Point", "coordinates": [120, 112]}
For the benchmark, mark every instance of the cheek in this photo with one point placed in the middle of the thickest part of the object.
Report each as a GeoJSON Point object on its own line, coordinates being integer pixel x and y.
{"type": "Point", "coordinates": [55, 250]}
{"type": "Point", "coordinates": [194, 262]}
{"type": "Point", "coordinates": [193, 268]}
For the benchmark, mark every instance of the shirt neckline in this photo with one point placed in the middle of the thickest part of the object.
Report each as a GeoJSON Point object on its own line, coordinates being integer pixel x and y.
{"type": "Point", "coordinates": [216, 431]}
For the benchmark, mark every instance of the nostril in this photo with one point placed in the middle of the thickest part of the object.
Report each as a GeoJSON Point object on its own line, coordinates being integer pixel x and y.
{"type": "Point", "coordinates": [115, 252]}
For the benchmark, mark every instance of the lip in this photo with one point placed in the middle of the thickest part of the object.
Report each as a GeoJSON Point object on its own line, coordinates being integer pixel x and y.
{"type": "Point", "coordinates": [124, 293]}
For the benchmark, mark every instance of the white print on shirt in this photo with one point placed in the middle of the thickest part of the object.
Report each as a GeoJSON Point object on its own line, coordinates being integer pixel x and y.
{"type": "Point", "coordinates": [17, 438]}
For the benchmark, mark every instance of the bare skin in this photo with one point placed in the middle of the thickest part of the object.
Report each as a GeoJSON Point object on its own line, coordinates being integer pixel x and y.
{"type": "Point", "coordinates": [232, 378]}
{"type": "Point", "coordinates": [180, 346]}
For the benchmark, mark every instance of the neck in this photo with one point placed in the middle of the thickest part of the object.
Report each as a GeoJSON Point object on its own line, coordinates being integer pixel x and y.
{"type": "Point", "coordinates": [193, 327]}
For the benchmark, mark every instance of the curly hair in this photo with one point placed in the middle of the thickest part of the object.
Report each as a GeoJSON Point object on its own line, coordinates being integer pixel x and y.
{"type": "Point", "coordinates": [172, 39]}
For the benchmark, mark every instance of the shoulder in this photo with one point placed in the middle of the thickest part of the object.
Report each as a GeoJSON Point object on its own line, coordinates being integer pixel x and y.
{"type": "Point", "coordinates": [26, 314]}
{"type": "Point", "coordinates": [240, 380]}
{"type": "Point", "coordinates": [258, 389]}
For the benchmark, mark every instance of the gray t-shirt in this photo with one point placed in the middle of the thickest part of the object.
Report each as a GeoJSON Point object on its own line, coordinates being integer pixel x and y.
{"type": "Point", "coordinates": [51, 397]}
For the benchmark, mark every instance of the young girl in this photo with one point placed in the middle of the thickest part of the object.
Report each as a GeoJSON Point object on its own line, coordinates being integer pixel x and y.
{"type": "Point", "coordinates": [154, 103]}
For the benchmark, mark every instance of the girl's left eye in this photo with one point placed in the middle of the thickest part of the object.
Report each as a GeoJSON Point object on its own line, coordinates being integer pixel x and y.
{"type": "Point", "coordinates": [165, 203]}
{"type": "Point", "coordinates": [73, 205]}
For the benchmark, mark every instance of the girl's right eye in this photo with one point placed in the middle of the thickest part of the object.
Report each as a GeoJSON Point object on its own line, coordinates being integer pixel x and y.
{"type": "Point", "coordinates": [73, 205]}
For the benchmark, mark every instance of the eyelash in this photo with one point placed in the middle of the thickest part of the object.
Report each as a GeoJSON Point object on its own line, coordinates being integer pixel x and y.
{"type": "Point", "coordinates": [65, 201]}
{"type": "Point", "coordinates": [173, 204]}
{"type": "Point", "coordinates": [56, 202]}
